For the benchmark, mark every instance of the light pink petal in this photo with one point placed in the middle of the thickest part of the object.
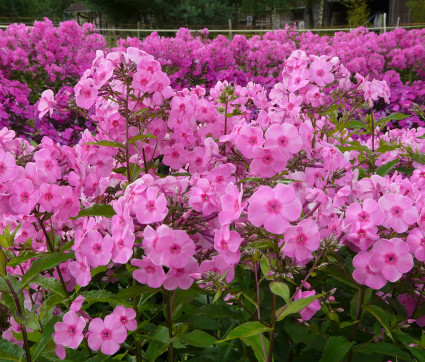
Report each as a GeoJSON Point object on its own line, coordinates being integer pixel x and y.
{"type": "Point", "coordinates": [391, 273]}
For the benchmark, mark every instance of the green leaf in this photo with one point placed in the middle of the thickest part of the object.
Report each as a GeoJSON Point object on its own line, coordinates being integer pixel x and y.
{"type": "Point", "coordinates": [384, 169]}
{"type": "Point", "coordinates": [281, 289]}
{"type": "Point", "coordinates": [4, 242]}
{"type": "Point", "coordinates": [394, 117]}
{"type": "Point", "coordinates": [97, 210]}
{"type": "Point", "coordinates": [140, 137]}
{"type": "Point", "coordinates": [245, 330]}
{"type": "Point", "coordinates": [155, 349]}
{"type": "Point", "coordinates": [21, 258]}
{"type": "Point", "coordinates": [51, 284]}
{"type": "Point", "coordinates": [256, 344]}
{"type": "Point", "coordinates": [340, 276]}
{"type": "Point", "coordinates": [336, 348]}
{"type": "Point", "coordinates": [198, 338]}
{"type": "Point", "coordinates": [3, 263]}
{"type": "Point", "coordinates": [386, 349]}
{"type": "Point", "coordinates": [43, 263]}
{"type": "Point", "coordinates": [295, 306]}
{"type": "Point", "coordinates": [355, 124]}
{"type": "Point", "coordinates": [381, 317]}
{"type": "Point", "coordinates": [135, 291]}
{"type": "Point", "coordinates": [102, 296]}
{"type": "Point", "coordinates": [10, 351]}
{"type": "Point", "coordinates": [106, 143]}
{"type": "Point", "coordinates": [405, 170]}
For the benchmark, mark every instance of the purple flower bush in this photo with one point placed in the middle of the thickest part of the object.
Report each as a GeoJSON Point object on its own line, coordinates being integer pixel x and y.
{"type": "Point", "coordinates": [43, 57]}
{"type": "Point", "coordinates": [228, 224]}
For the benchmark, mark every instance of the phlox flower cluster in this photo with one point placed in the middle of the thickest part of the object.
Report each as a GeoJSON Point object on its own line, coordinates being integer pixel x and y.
{"type": "Point", "coordinates": [184, 186]}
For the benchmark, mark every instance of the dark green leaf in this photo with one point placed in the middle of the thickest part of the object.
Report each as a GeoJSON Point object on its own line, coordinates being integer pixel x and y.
{"type": "Point", "coordinates": [355, 124]}
{"type": "Point", "coordinates": [10, 351]}
{"type": "Point", "coordinates": [98, 210]}
{"type": "Point", "coordinates": [256, 343]}
{"type": "Point", "coordinates": [198, 338]}
{"type": "Point", "coordinates": [43, 263]}
{"type": "Point", "coordinates": [135, 291]}
{"type": "Point", "coordinates": [384, 169]}
{"type": "Point", "coordinates": [381, 317]}
{"type": "Point", "coordinates": [245, 330]}
{"type": "Point", "coordinates": [107, 143]}
{"type": "Point", "coordinates": [21, 258]}
{"type": "Point", "coordinates": [386, 349]}
{"type": "Point", "coordinates": [140, 137]}
{"type": "Point", "coordinates": [51, 284]}
{"type": "Point", "coordinates": [336, 348]}
{"type": "Point", "coordinates": [405, 170]}
{"type": "Point", "coordinates": [295, 306]}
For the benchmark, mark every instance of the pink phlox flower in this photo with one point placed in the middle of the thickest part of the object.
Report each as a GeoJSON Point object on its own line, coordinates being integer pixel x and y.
{"type": "Point", "coordinates": [297, 80]}
{"type": "Point", "coordinates": [301, 241]}
{"type": "Point", "coordinates": [416, 242]}
{"type": "Point", "coordinates": [98, 250]}
{"type": "Point", "coordinates": [149, 273]}
{"type": "Point", "coordinates": [231, 205]}
{"type": "Point", "coordinates": [50, 196]}
{"type": "Point", "coordinates": [24, 197]}
{"type": "Point", "coordinates": [181, 277]}
{"type": "Point", "coordinates": [312, 308]}
{"type": "Point", "coordinates": [176, 251]}
{"type": "Point", "coordinates": [47, 167]}
{"type": "Point", "coordinates": [150, 206]}
{"type": "Point", "coordinates": [77, 304]}
{"type": "Point", "coordinates": [203, 198]}
{"type": "Point", "coordinates": [363, 273]}
{"type": "Point", "coordinates": [70, 206]}
{"type": "Point", "coordinates": [284, 136]}
{"type": "Point", "coordinates": [89, 223]}
{"type": "Point", "coordinates": [314, 96]}
{"type": "Point", "coordinates": [399, 212]}
{"type": "Point", "coordinates": [8, 168]}
{"type": "Point", "coordinates": [274, 208]}
{"type": "Point", "coordinates": [227, 243]}
{"type": "Point", "coordinates": [85, 93]}
{"type": "Point", "coordinates": [127, 317]}
{"type": "Point", "coordinates": [321, 72]}
{"type": "Point", "coordinates": [292, 104]}
{"type": "Point", "coordinates": [69, 333]}
{"type": "Point", "coordinates": [47, 103]}
{"type": "Point", "coordinates": [175, 156]}
{"type": "Point", "coordinates": [363, 234]}
{"type": "Point", "coordinates": [221, 176]}
{"type": "Point", "coordinates": [218, 265]}
{"type": "Point", "coordinates": [123, 241]}
{"type": "Point", "coordinates": [106, 335]}
{"type": "Point", "coordinates": [249, 139]}
{"type": "Point", "coordinates": [142, 80]}
{"type": "Point", "coordinates": [267, 162]}
{"type": "Point", "coordinates": [80, 269]}
{"type": "Point", "coordinates": [391, 258]}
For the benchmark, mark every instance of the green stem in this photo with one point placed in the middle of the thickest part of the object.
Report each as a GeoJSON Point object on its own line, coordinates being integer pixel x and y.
{"type": "Point", "coordinates": [360, 299]}
{"type": "Point", "coordinates": [19, 310]}
{"type": "Point", "coordinates": [258, 307]}
{"type": "Point", "coordinates": [52, 250]}
{"type": "Point", "coordinates": [272, 332]}
{"type": "Point", "coordinates": [170, 327]}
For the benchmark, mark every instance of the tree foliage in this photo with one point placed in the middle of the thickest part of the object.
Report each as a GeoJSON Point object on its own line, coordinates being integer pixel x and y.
{"type": "Point", "coordinates": [33, 8]}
